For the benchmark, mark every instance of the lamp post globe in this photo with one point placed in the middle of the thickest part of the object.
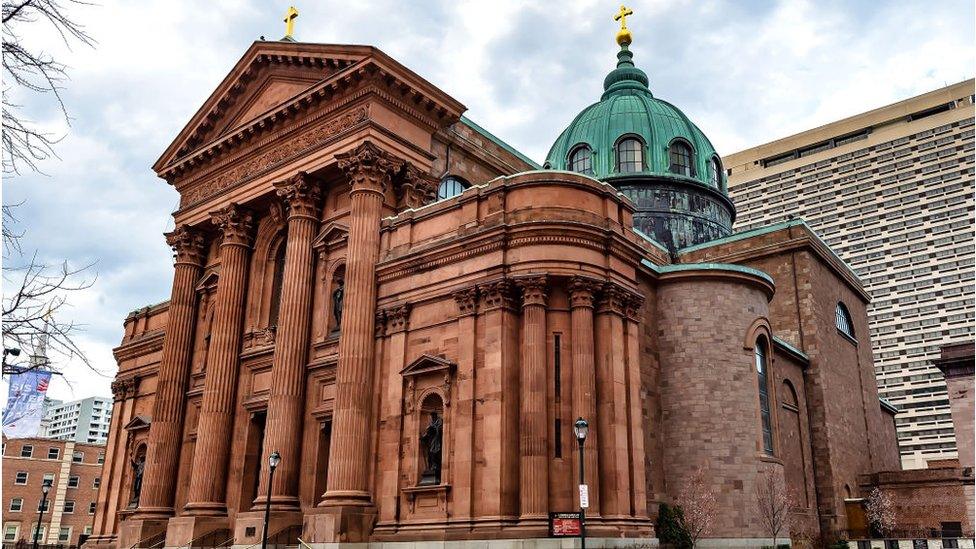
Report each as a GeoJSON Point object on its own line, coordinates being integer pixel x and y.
{"type": "Point", "coordinates": [581, 428]}
{"type": "Point", "coordinates": [45, 488]}
{"type": "Point", "coordinates": [274, 459]}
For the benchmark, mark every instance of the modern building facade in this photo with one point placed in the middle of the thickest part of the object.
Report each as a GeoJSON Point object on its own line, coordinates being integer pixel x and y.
{"type": "Point", "coordinates": [86, 420]}
{"type": "Point", "coordinates": [75, 473]}
{"type": "Point", "coordinates": [891, 191]}
{"type": "Point", "coordinates": [413, 315]}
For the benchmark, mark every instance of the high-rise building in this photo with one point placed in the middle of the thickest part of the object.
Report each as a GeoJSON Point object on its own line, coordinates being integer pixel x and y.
{"type": "Point", "coordinates": [891, 191]}
{"type": "Point", "coordinates": [86, 420]}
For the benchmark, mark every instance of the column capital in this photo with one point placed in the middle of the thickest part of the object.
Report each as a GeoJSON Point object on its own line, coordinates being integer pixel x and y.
{"type": "Point", "coordinates": [397, 318]}
{"type": "Point", "coordinates": [496, 295]}
{"type": "Point", "coordinates": [612, 299]}
{"type": "Point", "coordinates": [633, 307]}
{"type": "Point", "coordinates": [235, 222]}
{"type": "Point", "coordinates": [188, 245]}
{"type": "Point", "coordinates": [418, 187]}
{"type": "Point", "coordinates": [583, 291]}
{"type": "Point", "coordinates": [301, 193]}
{"type": "Point", "coordinates": [467, 301]}
{"type": "Point", "coordinates": [533, 290]}
{"type": "Point", "coordinates": [369, 168]}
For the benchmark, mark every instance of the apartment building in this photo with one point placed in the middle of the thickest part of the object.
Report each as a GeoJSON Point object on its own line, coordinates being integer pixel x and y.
{"type": "Point", "coordinates": [75, 473]}
{"type": "Point", "coordinates": [85, 420]}
{"type": "Point", "coordinates": [891, 191]}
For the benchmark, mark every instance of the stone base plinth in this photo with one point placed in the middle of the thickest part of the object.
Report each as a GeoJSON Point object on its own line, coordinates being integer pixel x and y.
{"type": "Point", "coordinates": [340, 524]}
{"type": "Point", "coordinates": [101, 542]}
{"type": "Point", "coordinates": [188, 531]}
{"type": "Point", "coordinates": [132, 531]}
{"type": "Point", "coordinates": [249, 526]}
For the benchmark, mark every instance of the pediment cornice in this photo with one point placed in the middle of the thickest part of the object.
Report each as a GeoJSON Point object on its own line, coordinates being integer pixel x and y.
{"type": "Point", "coordinates": [372, 73]}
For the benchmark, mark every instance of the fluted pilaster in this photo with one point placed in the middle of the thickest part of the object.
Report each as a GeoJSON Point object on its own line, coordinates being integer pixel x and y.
{"type": "Point", "coordinates": [369, 170]}
{"type": "Point", "coordinates": [612, 396]}
{"type": "Point", "coordinates": [166, 431]}
{"type": "Point", "coordinates": [533, 447]}
{"type": "Point", "coordinates": [286, 402]}
{"type": "Point", "coordinates": [582, 296]}
{"type": "Point", "coordinates": [214, 429]}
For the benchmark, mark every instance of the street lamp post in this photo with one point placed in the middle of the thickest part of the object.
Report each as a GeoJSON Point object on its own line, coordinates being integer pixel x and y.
{"type": "Point", "coordinates": [45, 488]}
{"type": "Point", "coordinates": [581, 427]}
{"type": "Point", "coordinates": [273, 460]}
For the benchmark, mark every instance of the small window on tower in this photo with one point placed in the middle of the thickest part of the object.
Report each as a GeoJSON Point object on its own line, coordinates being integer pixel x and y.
{"type": "Point", "coordinates": [630, 155]}
{"type": "Point", "coordinates": [450, 187]}
{"type": "Point", "coordinates": [844, 322]}
{"type": "Point", "coordinates": [581, 160]}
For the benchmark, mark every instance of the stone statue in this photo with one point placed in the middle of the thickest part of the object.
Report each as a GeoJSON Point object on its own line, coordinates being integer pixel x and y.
{"type": "Point", "coordinates": [337, 305]}
{"type": "Point", "coordinates": [432, 438]}
{"type": "Point", "coordinates": [138, 465]}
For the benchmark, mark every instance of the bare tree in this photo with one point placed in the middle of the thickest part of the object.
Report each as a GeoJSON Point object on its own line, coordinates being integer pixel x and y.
{"type": "Point", "coordinates": [880, 510]}
{"type": "Point", "coordinates": [34, 292]}
{"type": "Point", "coordinates": [773, 501]}
{"type": "Point", "coordinates": [33, 71]}
{"type": "Point", "coordinates": [698, 504]}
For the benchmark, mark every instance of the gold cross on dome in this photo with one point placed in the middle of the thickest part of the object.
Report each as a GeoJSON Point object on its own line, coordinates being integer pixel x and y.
{"type": "Point", "coordinates": [289, 20]}
{"type": "Point", "coordinates": [622, 16]}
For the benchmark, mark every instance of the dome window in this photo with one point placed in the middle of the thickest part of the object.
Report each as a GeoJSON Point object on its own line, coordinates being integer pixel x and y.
{"type": "Point", "coordinates": [630, 155]}
{"type": "Point", "coordinates": [450, 187]}
{"type": "Point", "coordinates": [581, 160]}
{"type": "Point", "coordinates": [843, 320]}
{"type": "Point", "coordinates": [715, 173]}
{"type": "Point", "coordinates": [681, 159]}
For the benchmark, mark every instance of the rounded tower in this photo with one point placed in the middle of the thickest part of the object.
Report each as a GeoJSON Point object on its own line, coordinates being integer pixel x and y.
{"type": "Point", "coordinates": [649, 150]}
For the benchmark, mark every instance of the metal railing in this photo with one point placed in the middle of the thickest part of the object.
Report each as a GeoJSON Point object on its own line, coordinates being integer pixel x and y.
{"type": "Point", "coordinates": [283, 538]}
{"type": "Point", "coordinates": [151, 542]}
{"type": "Point", "coordinates": [221, 537]}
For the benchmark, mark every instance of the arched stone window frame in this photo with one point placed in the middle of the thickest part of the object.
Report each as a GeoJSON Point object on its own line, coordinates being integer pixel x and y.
{"type": "Point", "coordinates": [335, 272]}
{"type": "Point", "coordinates": [270, 236]}
{"type": "Point", "coordinates": [571, 160]}
{"type": "Point", "coordinates": [844, 322]}
{"type": "Point", "coordinates": [444, 192]}
{"type": "Point", "coordinates": [692, 157]}
{"type": "Point", "coordinates": [716, 177]}
{"type": "Point", "coordinates": [616, 153]}
{"type": "Point", "coordinates": [330, 246]}
{"type": "Point", "coordinates": [760, 331]}
{"type": "Point", "coordinates": [791, 403]}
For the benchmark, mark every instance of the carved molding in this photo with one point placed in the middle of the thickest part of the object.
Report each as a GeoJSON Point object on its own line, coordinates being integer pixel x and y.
{"type": "Point", "coordinates": [397, 319]}
{"type": "Point", "coordinates": [235, 222]}
{"type": "Point", "coordinates": [188, 245]}
{"type": "Point", "coordinates": [583, 291]}
{"type": "Point", "coordinates": [369, 168]}
{"type": "Point", "coordinates": [534, 290]}
{"type": "Point", "coordinates": [467, 301]}
{"type": "Point", "coordinates": [417, 188]}
{"type": "Point", "coordinates": [612, 299]}
{"type": "Point", "coordinates": [123, 388]}
{"type": "Point", "coordinates": [496, 295]}
{"type": "Point", "coordinates": [299, 144]}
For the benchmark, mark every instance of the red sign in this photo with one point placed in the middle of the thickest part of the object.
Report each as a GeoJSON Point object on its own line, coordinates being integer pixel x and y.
{"type": "Point", "coordinates": [564, 525]}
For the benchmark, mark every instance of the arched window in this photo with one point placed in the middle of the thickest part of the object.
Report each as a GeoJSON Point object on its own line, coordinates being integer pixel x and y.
{"type": "Point", "coordinates": [762, 373]}
{"type": "Point", "coordinates": [276, 282]}
{"type": "Point", "coordinates": [451, 186]}
{"type": "Point", "coordinates": [630, 155]}
{"type": "Point", "coordinates": [682, 158]}
{"type": "Point", "coordinates": [715, 173]}
{"type": "Point", "coordinates": [843, 318]}
{"type": "Point", "coordinates": [581, 160]}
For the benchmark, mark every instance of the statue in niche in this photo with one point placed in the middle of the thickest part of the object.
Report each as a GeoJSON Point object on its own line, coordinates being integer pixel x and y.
{"type": "Point", "coordinates": [431, 439]}
{"type": "Point", "coordinates": [337, 305]}
{"type": "Point", "coordinates": [138, 466]}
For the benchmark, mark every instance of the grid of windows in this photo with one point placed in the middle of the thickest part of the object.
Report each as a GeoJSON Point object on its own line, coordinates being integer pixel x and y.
{"type": "Point", "coordinates": [630, 155]}
{"type": "Point", "coordinates": [581, 160]}
{"type": "Point", "coordinates": [681, 159]}
{"type": "Point", "coordinates": [896, 205]}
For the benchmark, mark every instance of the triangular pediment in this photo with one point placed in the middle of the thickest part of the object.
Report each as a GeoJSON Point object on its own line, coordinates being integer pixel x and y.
{"type": "Point", "coordinates": [425, 364]}
{"type": "Point", "coordinates": [137, 423]}
{"type": "Point", "coordinates": [267, 75]}
{"type": "Point", "coordinates": [331, 236]}
{"type": "Point", "coordinates": [208, 280]}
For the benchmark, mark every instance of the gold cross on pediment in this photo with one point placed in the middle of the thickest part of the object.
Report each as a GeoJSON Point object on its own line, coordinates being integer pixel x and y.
{"type": "Point", "coordinates": [289, 20]}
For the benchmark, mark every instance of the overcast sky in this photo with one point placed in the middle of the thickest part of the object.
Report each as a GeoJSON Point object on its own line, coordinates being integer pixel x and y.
{"type": "Point", "coordinates": [745, 72]}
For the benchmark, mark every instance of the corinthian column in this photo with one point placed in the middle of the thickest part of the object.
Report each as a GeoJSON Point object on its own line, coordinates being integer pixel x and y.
{"type": "Point", "coordinates": [369, 171]}
{"type": "Point", "coordinates": [286, 402]}
{"type": "Point", "coordinates": [533, 447]}
{"type": "Point", "coordinates": [166, 430]}
{"type": "Point", "coordinates": [611, 383]}
{"type": "Point", "coordinates": [214, 431]}
{"type": "Point", "coordinates": [582, 291]}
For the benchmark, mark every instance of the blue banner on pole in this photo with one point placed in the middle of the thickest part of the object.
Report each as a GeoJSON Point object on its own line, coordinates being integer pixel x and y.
{"type": "Point", "coordinates": [25, 404]}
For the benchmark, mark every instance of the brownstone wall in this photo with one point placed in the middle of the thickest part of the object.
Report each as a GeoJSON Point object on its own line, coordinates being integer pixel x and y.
{"type": "Point", "coordinates": [709, 395]}
{"type": "Point", "coordinates": [61, 468]}
{"type": "Point", "coordinates": [924, 499]}
{"type": "Point", "coordinates": [962, 397]}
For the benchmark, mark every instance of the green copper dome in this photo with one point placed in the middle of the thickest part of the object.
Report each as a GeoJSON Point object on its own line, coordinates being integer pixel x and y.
{"type": "Point", "coordinates": [654, 155]}
{"type": "Point", "coordinates": [627, 108]}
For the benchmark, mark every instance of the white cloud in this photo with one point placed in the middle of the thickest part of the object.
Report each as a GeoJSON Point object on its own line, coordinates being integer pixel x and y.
{"type": "Point", "coordinates": [746, 72]}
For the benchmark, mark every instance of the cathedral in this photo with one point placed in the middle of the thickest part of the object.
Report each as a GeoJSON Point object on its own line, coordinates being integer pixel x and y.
{"type": "Point", "coordinates": [410, 317]}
